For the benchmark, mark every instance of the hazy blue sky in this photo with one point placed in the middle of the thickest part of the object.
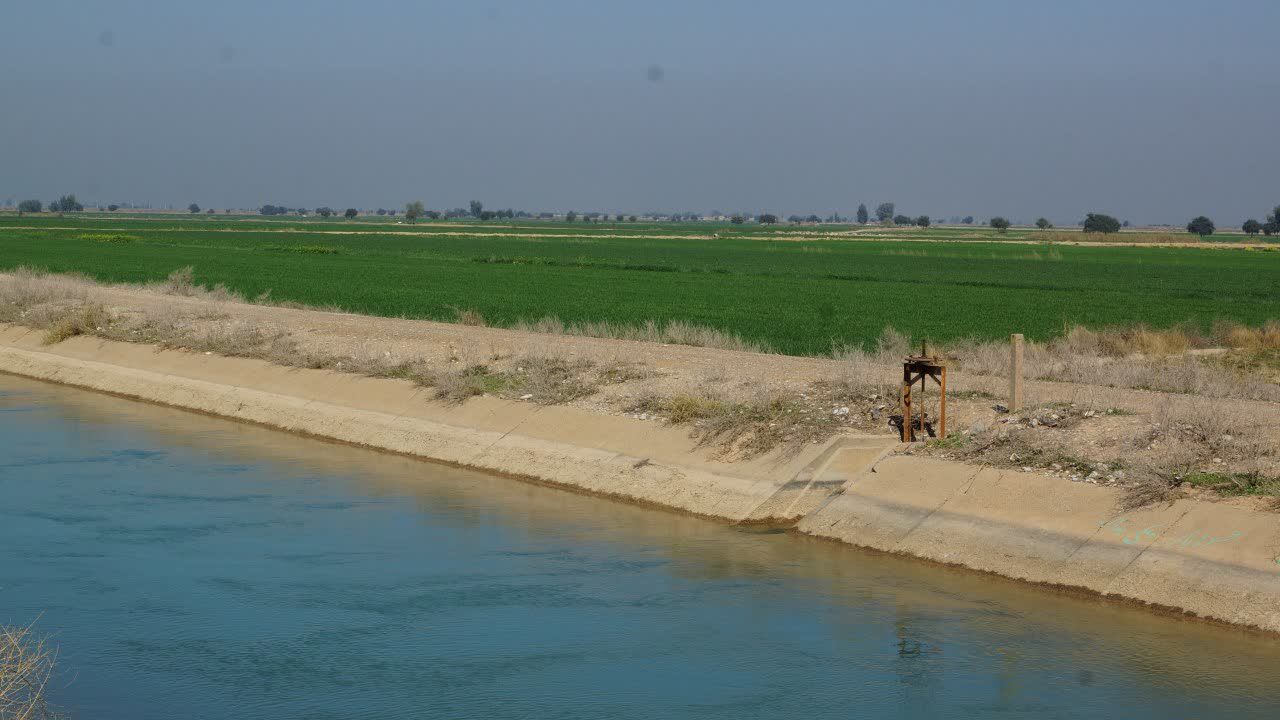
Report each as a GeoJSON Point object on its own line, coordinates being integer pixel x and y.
{"type": "Point", "coordinates": [1154, 110]}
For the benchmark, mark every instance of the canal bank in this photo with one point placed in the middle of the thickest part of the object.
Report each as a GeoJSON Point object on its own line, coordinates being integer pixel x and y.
{"type": "Point", "coordinates": [1209, 560]}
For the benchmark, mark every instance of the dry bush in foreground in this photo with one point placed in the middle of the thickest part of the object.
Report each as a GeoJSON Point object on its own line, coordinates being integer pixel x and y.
{"type": "Point", "coordinates": [26, 668]}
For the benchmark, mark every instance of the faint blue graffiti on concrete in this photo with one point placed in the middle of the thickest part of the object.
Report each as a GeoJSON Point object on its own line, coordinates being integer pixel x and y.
{"type": "Point", "coordinates": [1197, 538]}
{"type": "Point", "coordinates": [1130, 534]}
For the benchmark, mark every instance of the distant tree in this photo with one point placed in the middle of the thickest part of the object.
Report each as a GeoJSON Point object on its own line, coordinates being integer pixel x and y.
{"type": "Point", "coordinates": [923, 221]}
{"type": "Point", "coordinates": [903, 220]}
{"type": "Point", "coordinates": [193, 208]}
{"type": "Point", "coordinates": [1251, 227]}
{"type": "Point", "coordinates": [433, 214]}
{"type": "Point", "coordinates": [862, 214]}
{"type": "Point", "coordinates": [1000, 223]}
{"type": "Point", "coordinates": [382, 211]}
{"type": "Point", "coordinates": [794, 219]}
{"type": "Point", "coordinates": [631, 219]}
{"type": "Point", "coordinates": [1099, 223]}
{"type": "Point", "coordinates": [350, 213]}
{"type": "Point", "coordinates": [1201, 226]}
{"type": "Point", "coordinates": [391, 212]}
{"type": "Point", "coordinates": [477, 207]}
{"type": "Point", "coordinates": [30, 206]}
{"type": "Point", "coordinates": [1124, 224]}
{"type": "Point", "coordinates": [968, 220]}
{"type": "Point", "coordinates": [210, 211]}
{"type": "Point", "coordinates": [303, 211]}
{"type": "Point", "coordinates": [737, 219]}
{"type": "Point", "coordinates": [1043, 224]}
{"type": "Point", "coordinates": [66, 203]}
{"type": "Point", "coordinates": [1272, 225]}
{"type": "Point", "coordinates": [414, 210]}
{"type": "Point", "coordinates": [570, 216]}
{"type": "Point", "coordinates": [884, 211]}
{"type": "Point", "coordinates": [767, 219]}
{"type": "Point", "coordinates": [324, 211]}
{"type": "Point", "coordinates": [487, 215]}
{"type": "Point", "coordinates": [113, 208]}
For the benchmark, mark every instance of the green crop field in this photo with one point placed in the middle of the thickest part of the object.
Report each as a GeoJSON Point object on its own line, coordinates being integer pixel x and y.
{"type": "Point", "coordinates": [800, 290]}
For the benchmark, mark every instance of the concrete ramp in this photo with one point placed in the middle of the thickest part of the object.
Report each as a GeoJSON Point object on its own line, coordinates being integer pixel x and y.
{"type": "Point", "coordinates": [826, 477]}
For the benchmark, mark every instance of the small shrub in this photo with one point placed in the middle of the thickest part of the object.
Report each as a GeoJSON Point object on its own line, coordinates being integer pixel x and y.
{"type": "Point", "coordinates": [469, 317]}
{"type": "Point", "coordinates": [467, 382]}
{"type": "Point", "coordinates": [617, 373]}
{"type": "Point", "coordinates": [180, 282]}
{"type": "Point", "coordinates": [1229, 483]}
{"type": "Point", "coordinates": [550, 380]}
{"type": "Point", "coordinates": [78, 320]}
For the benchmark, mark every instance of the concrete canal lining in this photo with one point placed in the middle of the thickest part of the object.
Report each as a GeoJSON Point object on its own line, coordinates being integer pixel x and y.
{"type": "Point", "coordinates": [1210, 560]}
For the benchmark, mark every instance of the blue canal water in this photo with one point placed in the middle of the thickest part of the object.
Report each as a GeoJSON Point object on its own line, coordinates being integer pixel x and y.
{"type": "Point", "coordinates": [189, 567]}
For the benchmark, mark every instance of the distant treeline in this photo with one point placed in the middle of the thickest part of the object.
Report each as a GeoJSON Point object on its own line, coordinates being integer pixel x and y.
{"type": "Point", "coordinates": [885, 214]}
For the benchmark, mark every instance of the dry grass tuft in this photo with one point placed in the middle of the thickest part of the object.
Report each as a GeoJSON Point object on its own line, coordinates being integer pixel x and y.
{"type": "Point", "coordinates": [469, 317]}
{"type": "Point", "coordinates": [466, 382]}
{"type": "Point", "coordinates": [26, 668]}
{"type": "Point", "coordinates": [675, 332]}
{"type": "Point", "coordinates": [551, 380]}
{"type": "Point", "coordinates": [76, 320]}
{"type": "Point", "coordinates": [773, 420]}
{"type": "Point", "coordinates": [181, 282]}
{"type": "Point", "coordinates": [618, 372]}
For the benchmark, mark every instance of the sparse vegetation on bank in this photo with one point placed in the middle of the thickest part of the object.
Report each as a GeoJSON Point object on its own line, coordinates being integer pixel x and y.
{"type": "Point", "coordinates": [1187, 445]}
